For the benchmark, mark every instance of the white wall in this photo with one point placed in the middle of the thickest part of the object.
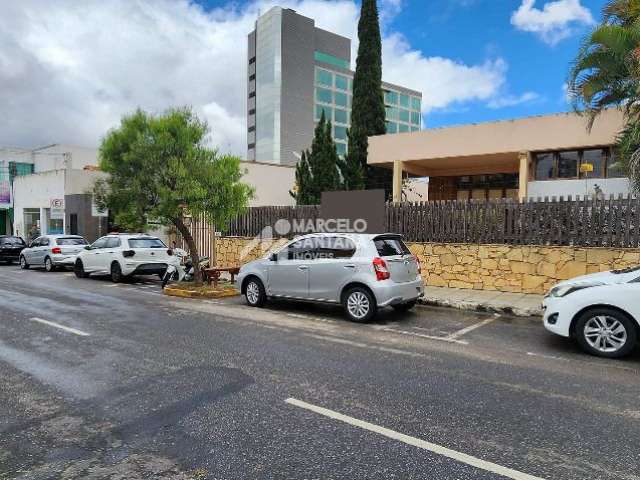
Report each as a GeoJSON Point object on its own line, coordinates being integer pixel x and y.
{"type": "Point", "coordinates": [36, 191]}
{"type": "Point", "coordinates": [272, 183]}
{"type": "Point", "coordinates": [81, 181]}
{"type": "Point", "coordinates": [564, 188]}
{"type": "Point", "coordinates": [51, 157]}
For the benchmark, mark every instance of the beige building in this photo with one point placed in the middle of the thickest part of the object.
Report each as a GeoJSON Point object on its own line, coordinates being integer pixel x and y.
{"type": "Point", "coordinates": [542, 156]}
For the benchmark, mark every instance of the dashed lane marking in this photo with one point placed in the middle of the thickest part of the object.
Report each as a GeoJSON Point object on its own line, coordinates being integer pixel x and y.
{"type": "Point", "coordinates": [422, 335]}
{"type": "Point", "coordinates": [471, 328]}
{"type": "Point", "coordinates": [61, 327]}
{"type": "Point", "coordinates": [416, 442]}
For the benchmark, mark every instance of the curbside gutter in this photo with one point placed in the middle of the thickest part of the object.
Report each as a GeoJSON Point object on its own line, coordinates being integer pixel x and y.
{"type": "Point", "coordinates": [480, 306]}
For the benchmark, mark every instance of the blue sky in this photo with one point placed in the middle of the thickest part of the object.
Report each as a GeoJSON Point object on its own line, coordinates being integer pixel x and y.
{"type": "Point", "coordinates": [69, 76]}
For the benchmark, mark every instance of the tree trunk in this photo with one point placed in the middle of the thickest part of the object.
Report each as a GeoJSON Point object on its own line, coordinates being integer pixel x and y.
{"type": "Point", "coordinates": [193, 249]}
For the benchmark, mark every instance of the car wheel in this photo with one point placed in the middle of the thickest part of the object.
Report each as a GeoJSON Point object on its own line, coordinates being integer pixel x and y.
{"type": "Point", "coordinates": [359, 305]}
{"type": "Point", "coordinates": [606, 332]}
{"type": "Point", "coordinates": [254, 293]}
{"type": "Point", "coordinates": [404, 307]}
{"type": "Point", "coordinates": [78, 269]}
{"type": "Point", "coordinates": [48, 265]}
{"type": "Point", "coordinates": [116, 272]}
{"type": "Point", "coordinates": [23, 263]}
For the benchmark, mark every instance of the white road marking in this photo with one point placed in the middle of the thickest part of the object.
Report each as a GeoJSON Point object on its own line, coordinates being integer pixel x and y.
{"type": "Point", "coordinates": [471, 328]}
{"type": "Point", "coordinates": [61, 327]}
{"type": "Point", "coordinates": [552, 357]}
{"type": "Point", "coordinates": [430, 337]}
{"type": "Point", "coordinates": [416, 442]}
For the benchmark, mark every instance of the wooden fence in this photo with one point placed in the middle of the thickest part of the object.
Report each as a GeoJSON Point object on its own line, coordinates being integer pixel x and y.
{"type": "Point", "coordinates": [610, 222]}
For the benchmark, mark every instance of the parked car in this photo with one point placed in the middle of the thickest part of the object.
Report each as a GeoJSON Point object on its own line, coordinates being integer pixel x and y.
{"type": "Point", "coordinates": [52, 252]}
{"type": "Point", "coordinates": [121, 255]}
{"type": "Point", "coordinates": [10, 248]}
{"type": "Point", "coordinates": [601, 311]}
{"type": "Point", "coordinates": [363, 272]}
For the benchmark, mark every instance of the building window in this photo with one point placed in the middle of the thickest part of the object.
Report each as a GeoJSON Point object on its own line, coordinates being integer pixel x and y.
{"type": "Point", "coordinates": [415, 118]}
{"type": "Point", "coordinates": [340, 133]}
{"type": "Point", "coordinates": [391, 113]}
{"type": "Point", "coordinates": [341, 148]}
{"type": "Point", "coordinates": [341, 116]}
{"type": "Point", "coordinates": [324, 77]}
{"type": "Point", "coordinates": [251, 129]}
{"type": "Point", "coordinates": [392, 127]}
{"type": "Point", "coordinates": [403, 128]}
{"type": "Point", "coordinates": [390, 98]}
{"type": "Point", "coordinates": [251, 146]}
{"type": "Point", "coordinates": [341, 99]}
{"type": "Point", "coordinates": [415, 103]}
{"type": "Point", "coordinates": [615, 169]}
{"type": "Point", "coordinates": [323, 95]}
{"type": "Point", "coordinates": [320, 109]}
{"type": "Point", "coordinates": [252, 60]}
{"type": "Point", "coordinates": [252, 94]}
{"type": "Point", "coordinates": [342, 83]}
{"type": "Point", "coordinates": [544, 166]}
{"type": "Point", "coordinates": [404, 100]}
{"type": "Point", "coordinates": [415, 129]}
{"type": "Point", "coordinates": [403, 115]}
{"type": "Point", "coordinates": [252, 77]}
{"type": "Point", "coordinates": [595, 158]}
{"type": "Point", "coordinates": [566, 164]}
{"type": "Point", "coordinates": [331, 60]}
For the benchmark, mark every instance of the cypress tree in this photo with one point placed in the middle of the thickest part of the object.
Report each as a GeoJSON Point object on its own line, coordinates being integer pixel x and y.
{"type": "Point", "coordinates": [367, 111]}
{"type": "Point", "coordinates": [317, 170]}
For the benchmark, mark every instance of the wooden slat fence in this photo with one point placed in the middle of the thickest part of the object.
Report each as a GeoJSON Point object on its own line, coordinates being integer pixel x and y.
{"type": "Point", "coordinates": [581, 221]}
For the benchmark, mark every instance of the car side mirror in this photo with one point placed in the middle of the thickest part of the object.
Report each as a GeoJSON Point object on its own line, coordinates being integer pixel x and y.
{"type": "Point", "coordinates": [273, 257]}
{"type": "Point", "coordinates": [87, 247]}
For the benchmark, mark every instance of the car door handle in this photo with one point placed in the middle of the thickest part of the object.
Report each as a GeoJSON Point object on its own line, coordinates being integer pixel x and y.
{"type": "Point", "coordinates": [349, 266]}
{"type": "Point", "coordinates": [303, 267]}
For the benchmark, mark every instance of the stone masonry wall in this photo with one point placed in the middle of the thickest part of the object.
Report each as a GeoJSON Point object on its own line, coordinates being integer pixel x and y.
{"type": "Point", "coordinates": [505, 268]}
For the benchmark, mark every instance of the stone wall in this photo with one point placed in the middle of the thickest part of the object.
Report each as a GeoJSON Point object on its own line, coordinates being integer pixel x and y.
{"type": "Point", "coordinates": [505, 268]}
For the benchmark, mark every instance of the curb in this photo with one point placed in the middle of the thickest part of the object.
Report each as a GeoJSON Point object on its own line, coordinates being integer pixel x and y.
{"type": "Point", "coordinates": [482, 307]}
{"type": "Point", "coordinates": [178, 292]}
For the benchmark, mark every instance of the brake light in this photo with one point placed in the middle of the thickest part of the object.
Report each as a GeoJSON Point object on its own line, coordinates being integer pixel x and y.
{"type": "Point", "coordinates": [56, 250]}
{"type": "Point", "coordinates": [418, 265]}
{"type": "Point", "coordinates": [380, 267]}
{"type": "Point", "coordinates": [128, 253]}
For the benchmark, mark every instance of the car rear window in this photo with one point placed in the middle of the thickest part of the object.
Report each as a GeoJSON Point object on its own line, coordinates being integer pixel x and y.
{"type": "Point", "coordinates": [146, 243]}
{"type": "Point", "coordinates": [71, 241]}
{"type": "Point", "coordinates": [12, 241]}
{"type": "Point", "coordinates": [390, 246]}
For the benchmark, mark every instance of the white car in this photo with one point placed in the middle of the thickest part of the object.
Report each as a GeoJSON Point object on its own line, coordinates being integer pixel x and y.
{"type": "Point", "coordinates": [52, 252]}
{"type": "Point", "coordinates": [122, 255]}
{"type": "Point", "coordinates": [601, 311]}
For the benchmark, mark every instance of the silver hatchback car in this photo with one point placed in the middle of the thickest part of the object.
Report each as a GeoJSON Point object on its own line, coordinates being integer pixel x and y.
{"type": "Point", "coordinates": [52, 251]}
{"type": "Point", "coordinates": [363, 272]}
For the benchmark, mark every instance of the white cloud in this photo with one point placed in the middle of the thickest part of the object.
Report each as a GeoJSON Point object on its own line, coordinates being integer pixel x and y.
{"type": "Point", "coordinates": [69, 70]}
{"type": "Point", "coordinates": [513, 100]}
{"type": "Point", "coordinates": [554, 22]}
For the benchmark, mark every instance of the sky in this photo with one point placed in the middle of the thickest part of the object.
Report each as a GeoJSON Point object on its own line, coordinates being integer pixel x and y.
{"type": "Point", "coordinates": [69, 69]}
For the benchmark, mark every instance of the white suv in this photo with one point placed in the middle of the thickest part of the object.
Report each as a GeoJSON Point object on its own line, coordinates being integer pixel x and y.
{"type": "Point", "coordinates": [122, 255]}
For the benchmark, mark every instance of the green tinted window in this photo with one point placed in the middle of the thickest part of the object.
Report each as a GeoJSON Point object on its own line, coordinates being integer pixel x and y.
{"type": "Point", "coordinates": [340, 133]}
{"type": "Point", "coordinates": [341, 148]}
{"type": "Point", "coordinates": [403, 128]}
{"type": "Point", "coordinates": [323, 95]}
{"type": "Point", "coordinates": [327, 112]}
{"type": "Point", "coordinates": [415, 103]}
{"type": "Point", "coordinates": [415, 129]}
{"type": "Point", "coordinates": [342, 83]}
{"type": "Point", "coordinates": [331, 60]}
{"type": "Point", "coordinates": [341, 99]}
{"type": "Point", "coordinates": [404, 100]}
{"type": "Point", "coordinates": [415, 118]}
{"type": "Point", "coordinates": [392, 127]}
{"type": "Point", "coordinates": [391, 113]}
{"type": "Point", "coordinates": [404, 115]}
{"type": "Point", "coordinates": [324, 77]}
{"type": "Point", "coordinates": [341, 116]}
{"type": "Point", "coordinates": [391, 98]}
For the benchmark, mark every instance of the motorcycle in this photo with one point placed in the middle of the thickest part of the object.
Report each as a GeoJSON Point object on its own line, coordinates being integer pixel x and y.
{"type": "Point", "coordinates": [184, 272]}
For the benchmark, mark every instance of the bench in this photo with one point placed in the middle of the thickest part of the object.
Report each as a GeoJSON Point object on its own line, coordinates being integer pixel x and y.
{"type": "Point", "coordinates": [212, 275]}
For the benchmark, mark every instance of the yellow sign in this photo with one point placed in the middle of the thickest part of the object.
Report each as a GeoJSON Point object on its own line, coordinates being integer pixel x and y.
{"type": "Point", "coordinates": [586, 167]}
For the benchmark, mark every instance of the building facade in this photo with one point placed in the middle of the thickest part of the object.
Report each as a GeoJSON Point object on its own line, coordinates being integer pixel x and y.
{"type": "Point", "coordinates": [295, 72]}
{"type": "Point", "coordinates": [533, 157]}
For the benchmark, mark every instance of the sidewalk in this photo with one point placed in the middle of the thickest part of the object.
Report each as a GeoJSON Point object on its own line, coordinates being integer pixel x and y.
{"type": "Point", "coordinates": [519, 304]}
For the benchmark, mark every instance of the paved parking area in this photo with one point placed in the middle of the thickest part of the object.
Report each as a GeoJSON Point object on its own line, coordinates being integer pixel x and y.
{"type": "Point", "coordinates": [100, 380]}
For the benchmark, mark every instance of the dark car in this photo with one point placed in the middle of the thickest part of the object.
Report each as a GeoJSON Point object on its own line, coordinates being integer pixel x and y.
{"type": "Point", "coordinates": [10, 248]}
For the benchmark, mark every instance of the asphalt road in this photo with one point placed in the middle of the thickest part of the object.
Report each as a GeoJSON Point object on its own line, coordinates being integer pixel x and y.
{"type": "Point", "coordinates": [139, 385]}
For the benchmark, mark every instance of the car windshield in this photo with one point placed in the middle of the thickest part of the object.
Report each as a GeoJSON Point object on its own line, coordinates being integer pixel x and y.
{"type": "Point", "coordinates": [146, 243]}
{"type": "Point", "coordinates": [391, 246]}
{"type": "Point", "coordinates": [17, 241]}
{"type": "Point", "coordinates": [71, 241]}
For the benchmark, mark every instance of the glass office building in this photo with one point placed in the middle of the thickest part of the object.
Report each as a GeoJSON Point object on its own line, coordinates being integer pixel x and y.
{"type": "Point", "coordinates": [295, 72]}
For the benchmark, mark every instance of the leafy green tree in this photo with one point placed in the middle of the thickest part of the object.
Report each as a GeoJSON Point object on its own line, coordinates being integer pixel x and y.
{"type": "Point", "coordinates": [160, 167]}
{"type": "Point", "coordinates": [317, 170]}
{"type": "Point", "coordinates": [367, 111]}
{"type": "Point", "coordinates": [606, 73]}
